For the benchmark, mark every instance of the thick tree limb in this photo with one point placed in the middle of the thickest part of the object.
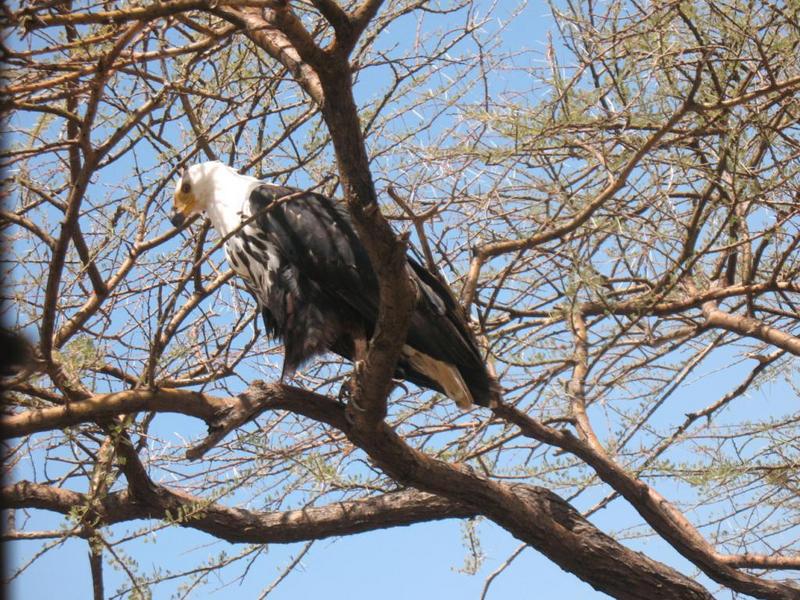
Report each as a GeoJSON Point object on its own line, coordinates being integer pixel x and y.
{"type": "Point", "coordinates": [277, 44]}
{"type": "Point", "coordinates": [540, 518]}
{"type": "Point", "coordinates": [33, 19]}
{"type": "Point", "coordinates": [336, 16]}
{"type": "Point", "coordinates": [749, 327]}
{"type": "Point", "coordinates": [108, 406]}
{"type": "Point", "coordinates": [660, 514]}
{"type": "Point", "coordinates": [386, 252]}
{"type": "Point", "coordinates": [534, 515]}
{"type": "Point", "coordinates": [239, 525]}
{"type": "Point", "coordinates": [660, 307]}
{"type": "Point", "coordinates": [326, 77]}
{"type": "Point", "coordinates": [407, 465]}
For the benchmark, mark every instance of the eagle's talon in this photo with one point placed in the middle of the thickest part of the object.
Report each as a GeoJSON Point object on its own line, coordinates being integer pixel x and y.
{"type": "Point", "coordinates": [345, 393]}
{"type": "Point", "coordinates": [345, 396]}
{"type": "Point", "coordinates": [355, 405]}
{"type": "Point", "coordinates": [351, 405]}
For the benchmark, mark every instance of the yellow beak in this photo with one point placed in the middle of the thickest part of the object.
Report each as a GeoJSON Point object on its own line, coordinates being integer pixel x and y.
{"type": "Point", "coordinates": [184, 205]}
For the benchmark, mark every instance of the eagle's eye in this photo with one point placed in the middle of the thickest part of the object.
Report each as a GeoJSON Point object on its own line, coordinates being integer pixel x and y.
{"type": "Point", "coordinates": [185, 187]}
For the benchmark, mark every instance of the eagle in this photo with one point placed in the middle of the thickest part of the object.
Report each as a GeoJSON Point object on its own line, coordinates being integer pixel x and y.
{"type": "Point", "coordinates": [300, 256]}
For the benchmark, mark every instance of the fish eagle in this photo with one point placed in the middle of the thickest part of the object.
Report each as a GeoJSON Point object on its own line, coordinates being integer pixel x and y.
{"type": "Point", "coordinates": [300, 256]}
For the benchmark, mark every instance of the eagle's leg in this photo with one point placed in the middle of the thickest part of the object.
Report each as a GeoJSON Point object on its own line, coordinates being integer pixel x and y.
{"type": "Point", "coordinates": [359, 358]}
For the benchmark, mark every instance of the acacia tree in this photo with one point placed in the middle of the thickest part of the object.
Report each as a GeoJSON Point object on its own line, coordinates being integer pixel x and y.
{"type": "Point", "coordinates": [622, 224]}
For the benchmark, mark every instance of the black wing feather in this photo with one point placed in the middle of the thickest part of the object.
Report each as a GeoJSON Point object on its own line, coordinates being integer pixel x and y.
{"type": "Point", "coordinates": [317, 237]}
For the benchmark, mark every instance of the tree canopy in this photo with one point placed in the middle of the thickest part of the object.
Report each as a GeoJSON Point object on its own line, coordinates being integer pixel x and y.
{"type": "Point", "coordinates": [615, 205]}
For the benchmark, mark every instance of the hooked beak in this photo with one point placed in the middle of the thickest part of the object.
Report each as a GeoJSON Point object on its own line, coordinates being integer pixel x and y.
{"type": "Point", "coordinates": [177, 219]}
{"type": "Point", "coordinates": [185, 205]}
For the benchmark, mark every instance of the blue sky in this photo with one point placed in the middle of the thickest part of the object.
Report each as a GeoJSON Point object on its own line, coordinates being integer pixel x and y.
{"type": "Point", "coordinates": [407, 562]}
{"type": "Point", "coordinates": [402, 562]}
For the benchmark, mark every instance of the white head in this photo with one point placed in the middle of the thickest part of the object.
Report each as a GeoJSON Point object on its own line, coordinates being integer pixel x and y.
{"type": "Point", "coordinates": [214, 188]}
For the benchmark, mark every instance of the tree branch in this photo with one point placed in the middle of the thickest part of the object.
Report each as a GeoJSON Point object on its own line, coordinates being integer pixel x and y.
{"type": "Point", "coordinates": [660, 514]}
{"type": "Point", "coordinates": [749, 327]}
{"type": "Point", "coordinates": [485, 252]}
{"type": "Point", "coordinates": [32, 19]}
{"type": "Point", "coordinates": [109, 405]}
{"type": "Point", "coordinates": [532, 514]}
{"type": "Point", "coordinates": [238, 525]}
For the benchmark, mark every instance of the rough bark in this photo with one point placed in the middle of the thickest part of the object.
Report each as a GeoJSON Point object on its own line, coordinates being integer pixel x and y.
{"type": "Point", "coordinates": [238, 525]}
{"type": "Point", "coordinates": [534, 515]}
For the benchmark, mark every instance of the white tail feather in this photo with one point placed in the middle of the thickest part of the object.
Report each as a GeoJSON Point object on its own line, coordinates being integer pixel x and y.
{"type": "Point", "coordinates": [444, 374]}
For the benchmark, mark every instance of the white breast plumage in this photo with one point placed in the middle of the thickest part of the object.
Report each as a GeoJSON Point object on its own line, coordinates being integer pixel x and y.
{"type": "Point", "coordinates": [255, 259]}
